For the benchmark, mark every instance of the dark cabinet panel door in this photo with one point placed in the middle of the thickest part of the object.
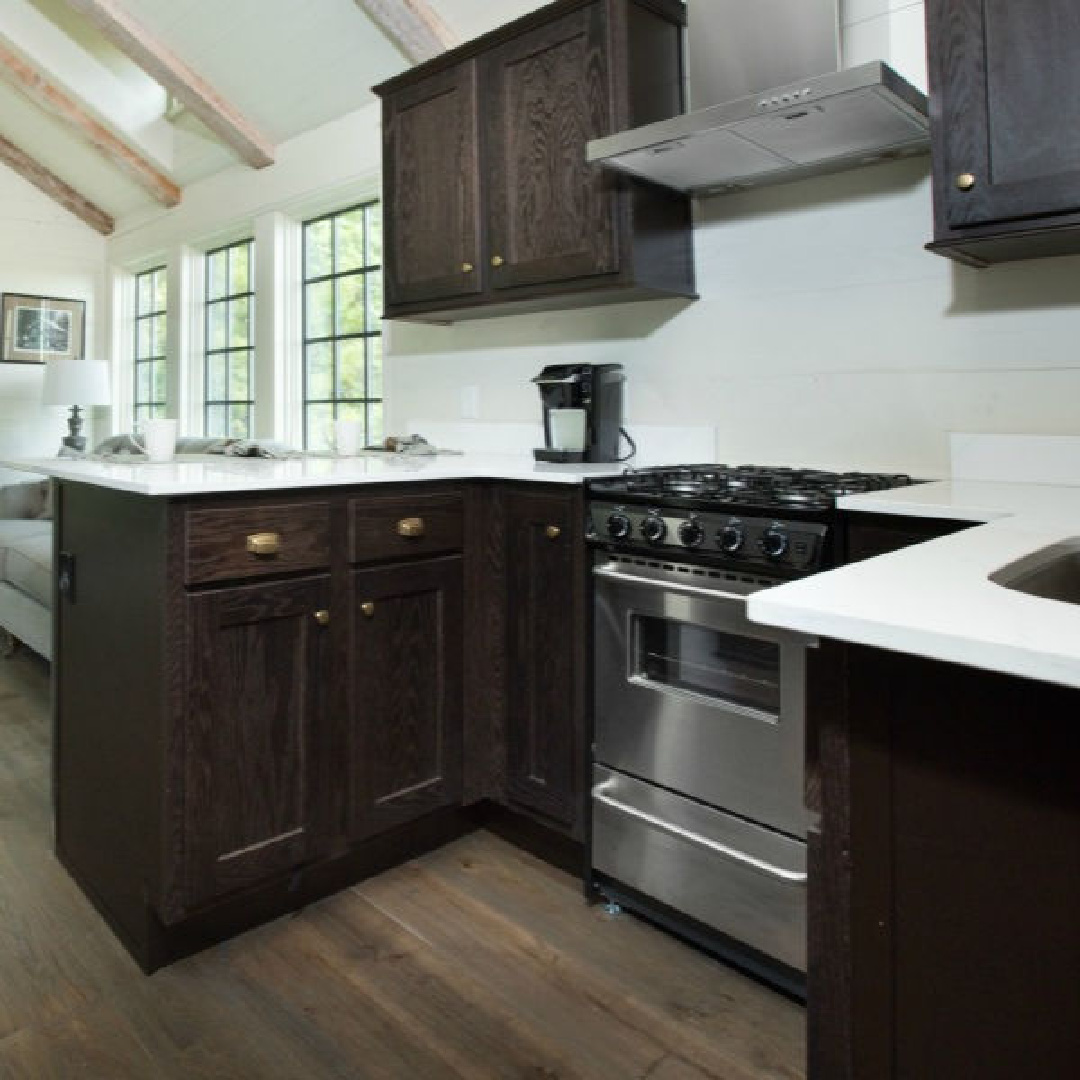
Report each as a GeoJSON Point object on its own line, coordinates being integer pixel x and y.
{"type": "Point", "coordinates": [406, 711]}
{"type": "Point", "coordinates": [1007, 82]}
{"type": "Point", "coordinates": [551, 216]}
{"type": "Point", "coordinates": [253, 733]}
{"type": "Point", "coordinates": [431, 182]}
{"type": "Point", "coordinates": [544, 742]}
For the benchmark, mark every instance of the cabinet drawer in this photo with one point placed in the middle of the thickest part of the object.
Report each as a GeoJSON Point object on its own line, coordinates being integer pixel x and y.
{"type": "Point", "coordinates": [254, 541]}
{"type": "Point", "coordinates": [400, 526]}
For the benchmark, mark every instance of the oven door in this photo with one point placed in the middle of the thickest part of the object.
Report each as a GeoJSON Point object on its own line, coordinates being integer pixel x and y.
{"type": "Point", "coordinates": [694, 697]}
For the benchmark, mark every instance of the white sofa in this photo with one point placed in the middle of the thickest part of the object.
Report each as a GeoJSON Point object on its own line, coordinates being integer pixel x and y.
{"type": "Point", "coordinates": [26, 564]}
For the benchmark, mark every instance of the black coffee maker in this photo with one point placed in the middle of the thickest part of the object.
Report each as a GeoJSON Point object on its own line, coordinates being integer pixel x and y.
{"type": "Point", "coordinates": [583, 405]}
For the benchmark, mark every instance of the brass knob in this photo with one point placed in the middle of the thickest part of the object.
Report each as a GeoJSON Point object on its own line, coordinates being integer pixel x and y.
{"type": "Point", "coordinates": [267, 543]}
{"type": "Point", "coordinates": [497, 260]}
{"type": "Point", "coordinates": [965, 181]}
{"type": "Point", "coordinates": [368, 608]}
{"type": "Point", "coordinates": [322, 617]}
{"type": "Point", "coordinates": [466, 268]}
{"type": "Point", "coordinates": [553, 532]}
{"type": "Point", "coordinates": [410, 526]}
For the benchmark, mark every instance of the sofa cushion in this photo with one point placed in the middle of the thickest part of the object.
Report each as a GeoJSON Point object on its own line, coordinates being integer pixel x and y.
{"type": "Point", "coordinates": [26, 561]}
{"type": "Point", "coordinates": [29, 500]}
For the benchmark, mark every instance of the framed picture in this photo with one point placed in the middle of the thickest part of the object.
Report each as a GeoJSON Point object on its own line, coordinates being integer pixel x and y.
{"type": "Point", "coordinates": [37, 328]}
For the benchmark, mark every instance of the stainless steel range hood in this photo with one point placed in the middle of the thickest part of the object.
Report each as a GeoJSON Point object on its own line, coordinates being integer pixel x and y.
{"type": "Point", "coordinates": [786, 109]}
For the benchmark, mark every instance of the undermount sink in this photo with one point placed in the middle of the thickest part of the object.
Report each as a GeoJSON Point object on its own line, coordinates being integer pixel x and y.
{"type": "Point", "coordinates": [1052, 572]}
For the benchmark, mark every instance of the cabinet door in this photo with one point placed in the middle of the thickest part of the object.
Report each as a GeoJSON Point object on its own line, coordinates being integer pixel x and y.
{"type": "Point", "coordinates": [406, 687]}
{"type": "Point", "coordinates": [1006, 81]}
{"type": "Point", "coordinates": [544, 729]}
{"type": "Point", "coordinates": [431, 178]}
{"type": "Point", "coordinates": [551, 216]}
{"type": "Point", "coordinates": [253, 734]}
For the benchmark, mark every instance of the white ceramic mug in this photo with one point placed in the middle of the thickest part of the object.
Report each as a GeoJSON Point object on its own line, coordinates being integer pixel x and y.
{"type": "Point", "coordinates": [567, 428]}
{"type": "Point", "coordinates": [347, 437]}
{"type": "Point", "coordinates": [159, 439]}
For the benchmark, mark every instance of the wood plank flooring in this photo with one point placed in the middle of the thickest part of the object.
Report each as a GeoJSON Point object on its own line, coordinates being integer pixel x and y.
{"type": "Point", "coordinates": [474, 961]}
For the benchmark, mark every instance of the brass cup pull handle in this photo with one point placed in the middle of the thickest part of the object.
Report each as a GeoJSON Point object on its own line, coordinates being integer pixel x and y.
{"type": "Point", "coordinates": [497, 260]}
{"type": "Point", "coordinates": [266, 543]}
{"type": "Point", "coordinates": [410, 526]}
{"type": "Point", "coordinates": [368, 608]}
{"type": "Point", "coordinates": [965, 181]}
{"type": "Point", "coordinates": [553, 532]}
{"type": "Point", "coordinates": [322, 617]}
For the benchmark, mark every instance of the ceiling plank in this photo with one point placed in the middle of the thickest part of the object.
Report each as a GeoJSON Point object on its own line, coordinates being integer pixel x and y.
{"type": "Point", "coordinates": [135, 41]}
{"type": "Point", "coordinates": [414, 28]}
{"type": "Point", "coordinates": [47, 181]}
{"type": "Point", "coordinates": [46, 93]}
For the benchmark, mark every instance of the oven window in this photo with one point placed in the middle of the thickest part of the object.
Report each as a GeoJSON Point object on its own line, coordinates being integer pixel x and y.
{"type": "Point", "coordinates": [728, 668]}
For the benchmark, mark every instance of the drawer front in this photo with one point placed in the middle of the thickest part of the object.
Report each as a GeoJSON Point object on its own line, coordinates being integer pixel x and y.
{"type": "Point", "coordinates": [256, 541]}
{"type": "Point", "coordinates": [401, 526]}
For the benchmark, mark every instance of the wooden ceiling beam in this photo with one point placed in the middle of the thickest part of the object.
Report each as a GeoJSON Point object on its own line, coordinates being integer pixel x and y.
{"type": "Point", "coordinates": [162, 65]}
{"type": "Point", "coordinates": [412, 25]}
{"type": "Point", "coordinates": [44, 92]}
{"type": "Point", "coordinates": [47, 181]}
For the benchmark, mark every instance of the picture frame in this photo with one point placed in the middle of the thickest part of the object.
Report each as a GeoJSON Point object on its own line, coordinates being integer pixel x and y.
{"type": "Point", "coordinates": [39, 328]}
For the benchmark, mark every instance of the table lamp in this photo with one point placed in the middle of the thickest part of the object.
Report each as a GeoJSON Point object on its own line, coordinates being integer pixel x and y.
{"type": "Point", "coordinates": [75, 382]}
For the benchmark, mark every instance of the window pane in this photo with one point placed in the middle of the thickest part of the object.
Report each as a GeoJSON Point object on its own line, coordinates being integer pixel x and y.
{"type": "Point", "coordinates": [238, 376]}
{"type": "Point", "coordinates": [142, 338]}
{"type": "Point", "coordinates": [217, 333]}
{"type": "Point", "coordinates": [217, 275]}
{"type": "Point", "coordinates": [159, 289]}
{"type": "Point", "coordinates": [374, 367]}
{"type": "Point", "coordinates": [349, 241]}
{"type": "Point", "coordinates": [238, 322]}
{"type": "Point", "coordinates": [350, 368]}
{"type": "Point", "coordinates": [319, 301]}
{"type": "Point", "coordinates": [142, 382]}
{"type": "Point", "coordinates": [320, 376]}
{"type": "Point", "coordinates": [374, 298]}
{"type": "Point", "coordinates": [144, 293]}
{"type": "Point", "coordinates": [375, 423]}
{"type": "Point", "coordinates": [217, 420]}
{"type": "Point", "coordinates": [239, 423]}
{"type": "Point", "coordinates": [217, 377]}
{"type": "Point", "coordinates": [373, 216]}
{"type": "Point", "coordinates": [350, 304]}
{"type": "Point", "coordinates": [240, 268]}
{"type": "Point", "coordinates": [159, 381]}
{"type": "Point", "coordinates": [157, 335]}
{"type": "Point", "coordinates": [319, 427]}
{"type": "Point", "coordinates": [317, 249]}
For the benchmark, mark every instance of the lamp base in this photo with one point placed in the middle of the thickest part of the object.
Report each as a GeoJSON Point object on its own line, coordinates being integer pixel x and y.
{"type": "Point", "coordinates": [74, 444]}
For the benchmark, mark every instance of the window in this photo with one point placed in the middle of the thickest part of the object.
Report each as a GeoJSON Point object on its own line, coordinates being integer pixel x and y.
{"type": "Point", "coordinates": [149, 396]}
{"type": "Point", "coordinates": [342, 332]}
{"type": "Point", "coordinates": [230, 340]}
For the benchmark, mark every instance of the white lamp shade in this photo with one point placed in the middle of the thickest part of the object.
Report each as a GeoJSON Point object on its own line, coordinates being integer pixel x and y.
{"type": "Point", "coordinates": [74, 381]}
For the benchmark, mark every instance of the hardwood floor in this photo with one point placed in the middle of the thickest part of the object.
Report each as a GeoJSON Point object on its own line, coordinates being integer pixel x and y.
{"type": "Point", "coordinates": [474, 961]}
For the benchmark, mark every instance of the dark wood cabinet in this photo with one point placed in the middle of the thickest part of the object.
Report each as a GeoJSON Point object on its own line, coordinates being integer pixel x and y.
{"type": "Point", "coordinates": [867, 535]}
{"type": "Point", "coordinates": [405, 714]}
{"type": "Point", "coordinates": [495, 210]}
{"type": "Point", "coordinates": [253, 734]}
{"type": "Point", "coordinates": [546, 658]}
{"type": "Point", "coordinates": [1006, 148]}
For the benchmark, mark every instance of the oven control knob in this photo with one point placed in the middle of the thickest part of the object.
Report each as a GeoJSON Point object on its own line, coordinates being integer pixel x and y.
{"type": "Point", "coordinates": [691, 533]}
{"type": "Point", "coordinates": [654, 528]}
{"type": "Point", "coordinates": [618, 526]}
{"type": "Point", "coordinates": [774, 543]}
{"type": "Point", "coordinates": [731, 539]}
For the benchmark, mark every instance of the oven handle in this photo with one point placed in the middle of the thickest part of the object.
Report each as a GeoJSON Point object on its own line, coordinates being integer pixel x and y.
{"type": "Point", "coordinates": [666, 585]}
{"type": "Point", "coordinates": [599, 793]}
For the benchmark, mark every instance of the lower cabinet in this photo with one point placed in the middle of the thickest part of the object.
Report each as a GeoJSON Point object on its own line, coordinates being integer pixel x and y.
{"type": "Point", "coordinates": [546, 661]}
{"type": "Point", "coordinates": [405, 710]}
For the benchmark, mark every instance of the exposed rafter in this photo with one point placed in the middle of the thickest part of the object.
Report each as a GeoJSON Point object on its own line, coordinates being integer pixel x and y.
{"type": "Point", "coordinates": [131, 38]}
{"type": "Point", "coordinates": [412, 26]}
{"type": "Point", "coordinates": [41, 89]}
{"type": "Point", "coordinates": [47, 181]}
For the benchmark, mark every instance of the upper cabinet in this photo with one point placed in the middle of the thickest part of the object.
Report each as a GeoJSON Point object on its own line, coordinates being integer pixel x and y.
{"type": "Point", "coordinates": [489, 204]}
{"type": "Point", "coordinates": [1006, 147]}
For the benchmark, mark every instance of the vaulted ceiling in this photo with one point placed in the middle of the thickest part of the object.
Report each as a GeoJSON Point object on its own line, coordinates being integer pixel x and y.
{"type": "Point", "coordinates": [113, 106]}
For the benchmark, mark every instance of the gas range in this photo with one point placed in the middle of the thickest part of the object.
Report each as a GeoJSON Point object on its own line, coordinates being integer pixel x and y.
{"type": "Point", "coordinates": [778, 521]}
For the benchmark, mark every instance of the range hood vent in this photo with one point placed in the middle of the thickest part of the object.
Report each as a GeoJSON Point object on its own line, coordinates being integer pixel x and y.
{"type": "Point", "coordinates": [822, 120]}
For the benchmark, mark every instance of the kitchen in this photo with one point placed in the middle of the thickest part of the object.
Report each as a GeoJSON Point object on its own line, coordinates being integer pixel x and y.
{"type": "Point", "coordinates": [881, 350]}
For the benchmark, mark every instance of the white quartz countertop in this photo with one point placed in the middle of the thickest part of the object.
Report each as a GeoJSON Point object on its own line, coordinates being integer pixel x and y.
{"type": "Point", "coordinates": [936, 599]}
{"type": "Point", "coordinates": [205, 474]}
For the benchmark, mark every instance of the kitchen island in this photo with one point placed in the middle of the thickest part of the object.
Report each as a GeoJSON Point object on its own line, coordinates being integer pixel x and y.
{"type": "Point", "coordinates": [944, 775]}
{"type": "Point", "coordinates": [274, 678]}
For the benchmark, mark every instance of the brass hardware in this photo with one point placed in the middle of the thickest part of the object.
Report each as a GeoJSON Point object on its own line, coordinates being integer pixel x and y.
{"type": "Point", "coordinates": [466, 268]}
{"type": "Point", "coordinates": [497, 260]}
{"type": "Point", "coordinates": [553, 532]}
{"type": "Point", "coordinates": [266, 543]}
{"type": "Point", "coordinates": [368, 608]}
{"type": "Point", "coordinates": [965, 181]}
{"type": "Point", "coordinates": [412, 526]}
{"type": "Point", "coordinates": [322, 617]}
